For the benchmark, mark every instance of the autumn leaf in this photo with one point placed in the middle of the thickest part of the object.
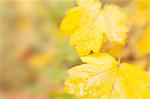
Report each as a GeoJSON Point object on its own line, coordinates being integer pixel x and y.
{"type": "Point", "coordinates": [90, 25]}
{"type": "Point", "coordinates": [101, 77]}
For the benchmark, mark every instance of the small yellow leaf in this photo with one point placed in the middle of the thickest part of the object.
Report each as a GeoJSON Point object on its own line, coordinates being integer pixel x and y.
{"type": "Point", "coordinates": [90, 25]}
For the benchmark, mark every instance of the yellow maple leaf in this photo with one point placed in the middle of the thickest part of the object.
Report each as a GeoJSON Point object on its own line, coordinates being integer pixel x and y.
{"type": "Point", "coordinates": [103, 78]}
{"type": "Point", "coordinates": [90, 25]}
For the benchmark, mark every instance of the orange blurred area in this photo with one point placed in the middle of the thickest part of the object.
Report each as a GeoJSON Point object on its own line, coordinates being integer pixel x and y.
{"type": "Point", "coordinates": [35, 55]}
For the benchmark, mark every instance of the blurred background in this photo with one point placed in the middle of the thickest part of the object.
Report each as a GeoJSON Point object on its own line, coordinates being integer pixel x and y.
{"type": "Point", "coordinates": [35, 55]}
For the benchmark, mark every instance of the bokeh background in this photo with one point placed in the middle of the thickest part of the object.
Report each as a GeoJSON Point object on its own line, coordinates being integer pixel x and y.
{"type": "Point", "coordinates": [35, 55]}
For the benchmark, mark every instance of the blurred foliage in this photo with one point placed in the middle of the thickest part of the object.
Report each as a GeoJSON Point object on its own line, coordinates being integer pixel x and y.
{"type": "Point", "coordinates": [34, 54]}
